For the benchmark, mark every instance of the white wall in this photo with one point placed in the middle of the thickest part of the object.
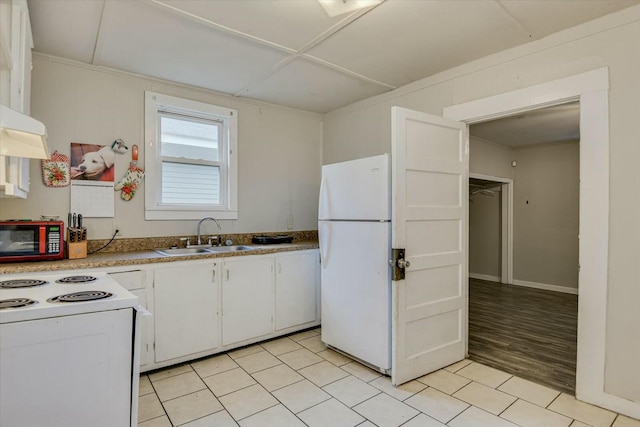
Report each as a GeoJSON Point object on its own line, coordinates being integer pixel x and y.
{"type": "Point", "coordinates": [363, 129]}
{"type": "Point", "coordinates": [489, 158]}
{"type": "Point", "coordinates": [546, 214]}
{"type": "Point", "coordinates": [279, 150]}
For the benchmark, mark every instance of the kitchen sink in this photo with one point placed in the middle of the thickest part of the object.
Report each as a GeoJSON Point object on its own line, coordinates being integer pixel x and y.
{"type": "Point", "coordinates": [235, 248]}
{"type": "Point", "coordinates": [183, 251]}
{"type": "Point", "coordinates": [202, 250]}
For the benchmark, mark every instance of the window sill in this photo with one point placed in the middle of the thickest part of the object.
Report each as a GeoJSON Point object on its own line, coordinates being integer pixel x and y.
{"type": "Point", "coordinates": [166, 215]}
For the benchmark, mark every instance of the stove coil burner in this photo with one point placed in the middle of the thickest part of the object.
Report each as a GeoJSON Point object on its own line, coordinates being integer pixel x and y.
{"type": "Point", "coordinates": [77, 279]}
{"type": "Point", "coordinates": [22, 283]}
{"type": "Point", "coordinates": [16, 303]}
{"type": "Point", "coordinates": [81, 296]}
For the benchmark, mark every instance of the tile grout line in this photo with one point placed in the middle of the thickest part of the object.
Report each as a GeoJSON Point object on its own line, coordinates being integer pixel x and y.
{"type": "Point", "coordinates": [461, 412]}
{"type": "Point", "coordinates": [379, 391]}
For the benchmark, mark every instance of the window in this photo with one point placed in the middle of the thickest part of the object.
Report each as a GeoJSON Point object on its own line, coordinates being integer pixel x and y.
{"type": "Point", "coordinates": [190, 159]}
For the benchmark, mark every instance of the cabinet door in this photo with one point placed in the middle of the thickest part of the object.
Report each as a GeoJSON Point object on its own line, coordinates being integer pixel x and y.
{"type": "Point", "coordinates": [186, 310]}
{"type": "Point", "coordinates": [247, 299]}
{"type": "Point", "coordinates": [296, 289]}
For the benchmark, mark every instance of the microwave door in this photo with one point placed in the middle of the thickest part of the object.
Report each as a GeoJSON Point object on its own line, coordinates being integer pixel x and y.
{"type": "Point", "coordinates": [16, 242]}
{"type": "Point", "coordinates": [22, 247]}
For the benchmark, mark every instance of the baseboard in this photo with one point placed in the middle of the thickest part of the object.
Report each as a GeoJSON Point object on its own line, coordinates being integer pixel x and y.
{"type": "Point", "coordinates": [611, 402]}
{"type": "Point", "coordinates": [485, 277]}
{"type": "Point", "coordinates": [546, 286]}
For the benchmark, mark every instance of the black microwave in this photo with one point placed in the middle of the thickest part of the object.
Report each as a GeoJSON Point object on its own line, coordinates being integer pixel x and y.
{"type": "Point", "coordinates": [31, 240]}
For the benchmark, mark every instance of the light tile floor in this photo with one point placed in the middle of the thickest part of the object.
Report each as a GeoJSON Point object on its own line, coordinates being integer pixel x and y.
{"type": "Point", "coordinates": [296, 381]}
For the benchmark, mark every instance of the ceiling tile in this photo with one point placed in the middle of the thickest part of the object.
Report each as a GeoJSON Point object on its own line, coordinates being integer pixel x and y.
{"type": "Point", "coordinates": [289, 23]}
{"type": "Point", "coordinates": [402, 41]}
{"type": "Point", "coordinates": [67, 29]}
{"type": "Point", "coordinates": [309, 86]}
{"type": "Point", "coordinates": [558, 15]}
{"type": "Point", "coordinates": [144, 38]}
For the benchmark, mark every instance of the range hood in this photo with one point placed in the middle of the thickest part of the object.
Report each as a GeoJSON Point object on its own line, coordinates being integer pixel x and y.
{"type": "Point", "coordinates": [21, 135]}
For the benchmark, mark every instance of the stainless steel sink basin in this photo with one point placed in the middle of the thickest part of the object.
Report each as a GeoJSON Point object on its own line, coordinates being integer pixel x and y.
{"type": "Point", "coordinates": [202, 250]}
{"type": "Point", "coordinates": [183, 251]}
{"type": "Point", "coordinates": [235, 248]}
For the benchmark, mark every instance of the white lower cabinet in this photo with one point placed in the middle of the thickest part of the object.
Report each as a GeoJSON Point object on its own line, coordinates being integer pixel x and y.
{"type": "Point", "coordinates": [187, 307]}
{"type": "Point", "coordinates": [247, 298]}
{"type": "Point", "coordinates": [204, 307]}
{"type": "Point", "coordinates": [297, 280]}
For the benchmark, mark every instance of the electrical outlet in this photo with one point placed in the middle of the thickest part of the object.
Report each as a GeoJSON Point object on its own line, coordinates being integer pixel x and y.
{"type": "Point", "coordinates": [116, 229]}
{"type": "Point", "coordinates": [290, 223]}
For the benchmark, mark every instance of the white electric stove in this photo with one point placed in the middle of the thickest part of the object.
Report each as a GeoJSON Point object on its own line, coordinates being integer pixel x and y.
{"type": "Point", "coordinates": [38, 295]}
{"type": "Point", "coordinates": [69, 352]}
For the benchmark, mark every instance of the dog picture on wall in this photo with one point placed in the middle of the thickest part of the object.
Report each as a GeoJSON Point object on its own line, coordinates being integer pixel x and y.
{"type": "Point", "coordinates": [92, 162]}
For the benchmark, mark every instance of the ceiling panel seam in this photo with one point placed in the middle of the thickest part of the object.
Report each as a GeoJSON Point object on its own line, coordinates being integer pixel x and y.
{"type": "Point", "coordinates": [221, 28]}
{"type": "Point", "coordinates": [322, 62]}
{"type": "Point", "coordinates": [347, 71]}
{"type": "Point", "coordinates": [294, 54]}
{"type": "Point", "coordinates": [506, 11]}
{"type": "Point", "coordinates": [350, 19]}
{"type": "Point", "coordinates": [97, 47]}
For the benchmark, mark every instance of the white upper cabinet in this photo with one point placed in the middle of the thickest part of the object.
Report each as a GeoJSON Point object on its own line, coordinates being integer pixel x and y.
{"type": "Point", "coordinates": [15, 86]}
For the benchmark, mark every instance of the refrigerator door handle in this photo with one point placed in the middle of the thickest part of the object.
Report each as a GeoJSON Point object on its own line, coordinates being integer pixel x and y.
{"type": "Point", "coordinates": [324, 236]}
{"type": "Point", "coordinates": [323, 203]}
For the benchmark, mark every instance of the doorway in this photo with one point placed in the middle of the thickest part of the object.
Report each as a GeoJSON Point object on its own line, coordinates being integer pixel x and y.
{"type": "Point", "coordinates": [591, 89]}
{"type": "Point", "coordinates": [500, 211]}
{"type": "Point", "coordinates": [524, 330]}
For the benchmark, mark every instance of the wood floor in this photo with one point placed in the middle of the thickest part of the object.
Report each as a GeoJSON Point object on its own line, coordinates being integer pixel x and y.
{"type": "Point", "coordinates": [526, 332]}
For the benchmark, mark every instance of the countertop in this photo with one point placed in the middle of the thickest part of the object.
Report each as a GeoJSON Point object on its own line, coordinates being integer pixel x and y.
{"type": "Point", "coordinates": [120, 259]}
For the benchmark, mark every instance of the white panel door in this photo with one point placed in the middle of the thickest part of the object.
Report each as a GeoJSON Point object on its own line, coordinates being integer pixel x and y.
{"type": "Point", "coordinates": [355, 289]}
{"type": "Point", "coordinates": [429, 216]}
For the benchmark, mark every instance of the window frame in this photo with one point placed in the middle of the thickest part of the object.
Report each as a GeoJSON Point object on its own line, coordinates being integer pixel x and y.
{"type": "Point", "coordinates": [156, 105]}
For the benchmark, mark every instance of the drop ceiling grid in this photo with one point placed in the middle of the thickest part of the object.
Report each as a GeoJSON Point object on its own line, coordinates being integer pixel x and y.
{"type": "Point", "coordinates": [239, 47]}
{"type": "Point", "coordinates": [203, 12]}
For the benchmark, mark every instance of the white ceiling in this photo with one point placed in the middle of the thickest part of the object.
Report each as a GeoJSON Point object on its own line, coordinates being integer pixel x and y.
{"type": "Point", "coordinates": [290, 52]}
{"type": "Point", "coordinates": [551, 124]}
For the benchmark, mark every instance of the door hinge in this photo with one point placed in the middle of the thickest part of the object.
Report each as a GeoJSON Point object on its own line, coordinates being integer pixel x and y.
{"type": "Point", "coordinates": [398, 264]}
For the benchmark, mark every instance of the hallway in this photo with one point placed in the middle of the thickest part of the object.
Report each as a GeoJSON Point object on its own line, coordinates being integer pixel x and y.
{"type": "Point", "coordinates": [526, 332]}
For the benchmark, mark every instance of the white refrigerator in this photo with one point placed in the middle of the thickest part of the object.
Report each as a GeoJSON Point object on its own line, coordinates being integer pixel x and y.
{"type": "Point", "coordinates": [354, 230]}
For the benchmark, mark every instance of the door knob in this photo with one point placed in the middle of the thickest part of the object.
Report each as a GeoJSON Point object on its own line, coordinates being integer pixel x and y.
{"type": "Point", "coordinates": [403, 263]}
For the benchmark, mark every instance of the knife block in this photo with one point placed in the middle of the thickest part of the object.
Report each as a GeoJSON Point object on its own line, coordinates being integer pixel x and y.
{"type": "Point", "coordinates": [76, 250]}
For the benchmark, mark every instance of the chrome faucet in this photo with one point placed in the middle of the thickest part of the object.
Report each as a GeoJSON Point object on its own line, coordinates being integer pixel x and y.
{"type": "Point", "coordinates": [200, 223]}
